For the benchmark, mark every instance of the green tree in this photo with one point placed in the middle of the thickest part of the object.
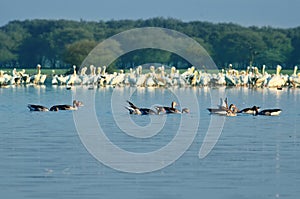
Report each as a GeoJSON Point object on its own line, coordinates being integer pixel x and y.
{"type": "Point", "coordinates": [6, 44]}
{"type": "Point", "coordinates": [76, 52]}
{"type": "Point", "coordinates": [294, 35]}
{"type": "Point", "coordinates": [237, 47]}
{"type": "Point", "coordinates": [278, 48]}
{"type": "Point", "coordinates": [49, 41]}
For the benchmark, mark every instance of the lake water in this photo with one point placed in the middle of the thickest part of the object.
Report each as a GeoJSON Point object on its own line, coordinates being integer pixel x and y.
{"type": "Point", "coordinates": [45, 154]}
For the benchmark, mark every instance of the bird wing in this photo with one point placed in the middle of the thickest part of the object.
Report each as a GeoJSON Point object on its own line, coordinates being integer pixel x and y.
{"type": "Point", "coordinates": [132, 105]}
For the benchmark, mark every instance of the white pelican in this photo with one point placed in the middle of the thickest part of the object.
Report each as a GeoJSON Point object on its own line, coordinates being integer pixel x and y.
{"type": "Point", "coordinates": [260, 79]}
{"type": "Point", "coordinates": [54, 78]}
{"type": "Point", "coordinates": [83, 76]}
{"type": "Point", "coordinates": [83, 71]}
{"type": "Point", "coordinates": [172, 72]}
{"type": "Point", "coordinates": [38, 78]}
{"type": "Point", "coordinates": [118, 79]}
{"type": "Point", "coordinates": [103, 70]}
{"type": "Point", "coordinates": [150, 81]}
{"type": "Point", "coordinates": [218, 79]}
{"type": "Point", "coordinates": [244, 77]}
{"type": "Point", "coordinates": [7, 78]}
{"type": "Point", "coordinates": [24, 77]}
{"type": "Point", "coordinates": [140, 80]}
{"type": "Point", "coordinates": [294, 79]}
{"type": "Point", "coordinates": [276, 80]}
{"type": "Point", "coordinates": [131, 78]}
{"type": "Point", "coordinates": [73, 78]}
{"type": "Point", "coordinates": [188, 72]}
{"type": "Point", "coordinates": [2, 78]}
{"type": "Point", "coordinates": [204, 79]}
{"type": "Point", "coordinates": [1, 75]}
{"type": "Point", "coordinates": [92, 77]}
{"type": "Point", "coordinates": [231, 79]}
{"type": "Point", "coordinates": [195, 78]}
{"type": "Point", "coordinates": [62, 79]}
{"type": "Point", "coordinates": [160, 78]}
{"type": "Point", "coordinates": [15, 79]}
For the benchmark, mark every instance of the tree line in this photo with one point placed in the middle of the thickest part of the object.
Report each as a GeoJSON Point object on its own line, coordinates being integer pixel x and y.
{"type": "Point", "coordinates": [62, 43]}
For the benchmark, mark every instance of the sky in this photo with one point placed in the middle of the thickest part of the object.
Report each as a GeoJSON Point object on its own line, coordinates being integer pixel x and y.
{"type": "Point", "coordinates": [275, 13]}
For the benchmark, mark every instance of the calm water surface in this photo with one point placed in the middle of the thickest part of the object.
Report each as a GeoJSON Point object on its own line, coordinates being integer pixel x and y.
{"type": "Point", "coordinates": [42, 155]}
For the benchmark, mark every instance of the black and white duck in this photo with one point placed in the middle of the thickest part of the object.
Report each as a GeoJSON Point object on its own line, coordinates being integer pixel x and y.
{"type": "Point", "coordinates": [251, 110]}
{"type": "Point", "coordinates": [133, 109]}
{"type": "Point", "coordinates": [73, 107]}
{"type": "Point", "coordinates": [268, 112]}
{"type": "Point", "coordinates": [35, 107]}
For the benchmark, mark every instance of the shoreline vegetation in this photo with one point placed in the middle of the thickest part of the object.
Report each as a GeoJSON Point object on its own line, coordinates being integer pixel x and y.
{"type": "Point", "coordinates": [61, 43]}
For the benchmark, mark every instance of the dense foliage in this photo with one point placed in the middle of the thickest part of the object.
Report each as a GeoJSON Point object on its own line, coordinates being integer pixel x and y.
{"type": "Point", "coordinates": [61, 43]}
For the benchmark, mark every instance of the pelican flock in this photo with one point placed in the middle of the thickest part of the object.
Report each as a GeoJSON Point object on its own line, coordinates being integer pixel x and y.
{"type": "Point", "coordinates": [155, 77]}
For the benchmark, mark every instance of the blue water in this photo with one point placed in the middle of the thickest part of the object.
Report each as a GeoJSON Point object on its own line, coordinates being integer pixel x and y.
{"type": "Point", "coordinates": [42, 155]}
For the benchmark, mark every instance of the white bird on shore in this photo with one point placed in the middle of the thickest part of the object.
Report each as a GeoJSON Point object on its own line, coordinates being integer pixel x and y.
{"type": "Point", "coordinates": [15, 79]}
{"type": "Point", "coordinates": [141, 78]}
{"type": "Point", "coordinates": [130, 78]}
{"type": "Point", "coordinates": [38, 78]}
{"type": "Point", "coordinates": [54, 78]}
{"type": "Point", "coordinates": [62, 79]}
{"type": "Point", "coordinates": [118, 79]}
{"type": "Point", "coordinates": [73, 78]}
{"type": "Point", "coordinates": [2, 78]}
{"type": "Point", "coordinates": [276, 81]}
{"type": "Point", "coordinates": [294, 79]}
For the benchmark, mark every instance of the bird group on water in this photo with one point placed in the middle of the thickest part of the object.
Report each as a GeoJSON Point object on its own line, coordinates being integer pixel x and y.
{"type": "Point", "coordinates": [155, 77]}
{"type": "Point", "coordinates": [232, 110]}
{"type": "Point", "coordinates": [60, 107]}
{"type": "Point", "coordinates": [133, 109]}
{"type": "Point", "coordinates": [221, 109]}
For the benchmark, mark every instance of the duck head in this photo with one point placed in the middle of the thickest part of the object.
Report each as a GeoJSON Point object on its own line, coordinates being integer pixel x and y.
{"type": "Point", "coordinates": [233, 108]}
{"type": "Point", "coordinates": [255, 110]}
{"type": "Point", "coordinates": [77, 103]}
{"type": "Point", "coordinates": [185, 110]}
{"type": "Point", "coordinates": [173, 104]}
